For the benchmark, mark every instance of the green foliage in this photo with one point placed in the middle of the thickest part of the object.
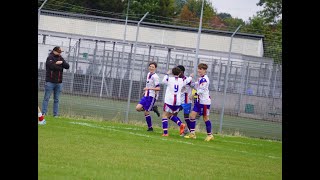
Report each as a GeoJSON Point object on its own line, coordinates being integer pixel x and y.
{"type": "Point", "coordinates": [233, 22]}
{"type": "Point", "coordinates": [224, 15]}
{"type": "Point", "coordinates": [272, 33]}
{"type": "Point", "coordinates": [272, 11]}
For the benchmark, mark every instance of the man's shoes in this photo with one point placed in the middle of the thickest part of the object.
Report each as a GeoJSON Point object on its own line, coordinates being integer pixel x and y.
{"type": "Point", "coordinates": [182, 126]}
{"type": "Point", "coordinates": [43, 122]}
{"type": "Point", "coordinates": [209, 138]}
{"type": "Point", "coordinates": [191, 136]}
{"type": "Point", "coordinates": [155, 109]}
{"type": "Point", "coordinates": [165, 135]}
{"type": "Point", "coordinates": [150, 129]}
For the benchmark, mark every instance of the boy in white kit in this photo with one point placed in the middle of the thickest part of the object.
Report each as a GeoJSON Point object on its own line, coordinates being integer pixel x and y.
{"type": "Point", "coordinates": [202, 106]}
{"type": "Point", "coordinates": [147, 101]}
{"type": "Point", "coordinates": [172, 99]}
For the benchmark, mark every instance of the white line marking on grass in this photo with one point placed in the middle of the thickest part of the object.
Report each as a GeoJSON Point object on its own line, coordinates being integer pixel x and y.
{"type": "Point", "coordinates": [238, 142]}
{"type": "Point", "coordinates": [112, 128]}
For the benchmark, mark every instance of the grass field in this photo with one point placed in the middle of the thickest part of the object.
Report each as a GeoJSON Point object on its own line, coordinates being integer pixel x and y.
{"type": "Point", "coordinates": [71, 148]}
{"type": "Point", "coordinates": [96, 108]}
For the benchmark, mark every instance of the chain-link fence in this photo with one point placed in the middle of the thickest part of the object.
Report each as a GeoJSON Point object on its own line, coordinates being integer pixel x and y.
{"type": "Point", "coordinates": [101, 70]}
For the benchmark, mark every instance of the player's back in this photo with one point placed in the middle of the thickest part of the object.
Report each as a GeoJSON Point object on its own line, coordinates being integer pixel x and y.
{"type": "Point", "coordinates": [173, 91]}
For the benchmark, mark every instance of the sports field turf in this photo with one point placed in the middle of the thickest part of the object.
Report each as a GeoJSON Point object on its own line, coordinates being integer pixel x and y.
{"type": "Point", "coordinates": [108, 109]}
{"type": "Point", "coordinates": [91, 149]}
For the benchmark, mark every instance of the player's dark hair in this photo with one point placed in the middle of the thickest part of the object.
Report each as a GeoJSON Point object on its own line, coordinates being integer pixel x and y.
{"type": "Point", "coordinates": [203, 66]}
{"type": "Point", "coordinates": [182, 68]}
{"type": "Point", "coordinates": [176, 71]}
{"type": "Point", "coordinates": [154, 63]}
{"type": "Point", "coordinates": [182, 71]}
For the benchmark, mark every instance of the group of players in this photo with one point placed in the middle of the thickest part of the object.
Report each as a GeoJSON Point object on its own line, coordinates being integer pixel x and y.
{"type": "Point", "coordinates": [178, 97]}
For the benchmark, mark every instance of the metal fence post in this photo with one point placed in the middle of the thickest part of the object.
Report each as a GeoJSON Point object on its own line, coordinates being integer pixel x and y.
{"type": "Point", "coordinates": [226, 80]}
{"type": "Point", "coordinates": [134, 59]}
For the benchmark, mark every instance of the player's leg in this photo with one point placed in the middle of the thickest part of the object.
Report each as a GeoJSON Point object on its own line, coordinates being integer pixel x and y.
{"type": "Point", "coordinates": [187, 111]}
{"type": "Point", "coordinates": [148, 120]}
{"type": "Point", "coordinates": [147, 106]}
{"type": "Point", "coordinates": [175, 118]}
{"type": "Point", "coordinates": [206, 119]}
{"type": "Point", "coordinates": [196, 110]}
{"type": "Point", "coordinates": [139, 106]}
{"type": "Point", "coordinates": [165, 124]}
{"type": "Point", "coordinates": [155, 109]}
{"type": "Point", "coordinates": [192, 117]}
{"type": "Point", "coordinates": [41, 119]}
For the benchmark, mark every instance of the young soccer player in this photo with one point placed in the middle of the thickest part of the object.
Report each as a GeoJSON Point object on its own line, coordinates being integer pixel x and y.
{"type": "Point", "coordinates": [186, 100]}
{"type": "Point", "coordinates": [172, 100]}
{"type": "Point", "coordinates": [149, 98]}
{"type": "Point", "coordinates": [202, 106]}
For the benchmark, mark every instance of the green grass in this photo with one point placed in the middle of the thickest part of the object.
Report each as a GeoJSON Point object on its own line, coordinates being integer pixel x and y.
{"type": "Point", "coordinates": [90, 149]}
{"type": "Point", "coordinates": [108, 109]}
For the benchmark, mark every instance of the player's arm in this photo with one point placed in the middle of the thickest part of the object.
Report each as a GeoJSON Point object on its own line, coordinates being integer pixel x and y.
{"type": "Point", "coordinates": [156, 88]}
{"type": "Point", "coordinates": [166, 78]}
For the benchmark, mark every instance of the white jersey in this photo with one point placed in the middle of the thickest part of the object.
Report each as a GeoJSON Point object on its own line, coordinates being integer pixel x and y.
{"type": "Point", "coordinates": [174, 87]}
{"type": "Point", "coordinates": [152, 82]}
{"type": "Point", "coordinates": [202, 87]}
{"type": "Point", "coordinates": [186, 91]}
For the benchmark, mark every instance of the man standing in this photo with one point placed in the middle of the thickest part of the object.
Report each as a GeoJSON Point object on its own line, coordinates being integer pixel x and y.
{"type": "Point", "coordinates": [54, 74]}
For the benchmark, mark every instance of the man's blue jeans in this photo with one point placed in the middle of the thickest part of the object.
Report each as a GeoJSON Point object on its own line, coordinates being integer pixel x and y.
{"type": "Point", "coordinates": [48, 88]}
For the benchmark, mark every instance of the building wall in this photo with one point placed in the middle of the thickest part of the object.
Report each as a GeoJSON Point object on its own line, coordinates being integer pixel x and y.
{"type": "Point", "coordinates": [113, 30]}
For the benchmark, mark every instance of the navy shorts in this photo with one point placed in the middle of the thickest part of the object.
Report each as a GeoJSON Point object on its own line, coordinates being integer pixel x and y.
{"type": "Point", "coordinates": [202, 109]}
{"type": "Point", "coordinates": [147, 102]}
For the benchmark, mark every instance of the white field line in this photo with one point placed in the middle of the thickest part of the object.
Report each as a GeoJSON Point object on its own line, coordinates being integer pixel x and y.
{"type": "Point", "coordinates": [118, 129]}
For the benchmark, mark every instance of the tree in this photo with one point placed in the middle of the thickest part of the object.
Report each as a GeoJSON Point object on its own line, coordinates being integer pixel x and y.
{"type": "Point", "coordinates": [166, 9]}
{"type": "Point", "coordinates": [224, 15]}
{"type": "Point", "coordinates": [187, 17]}
{"type": "Point", "coordinates": [273, 36]}
{"type": "Point", "coordinates": [272, 11]}
{"type": "Point", "coordinates": [178, 4]}
{"type": "Point", "coordinates": [233, 23]}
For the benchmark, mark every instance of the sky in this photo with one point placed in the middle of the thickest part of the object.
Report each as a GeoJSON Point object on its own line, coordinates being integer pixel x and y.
{"type": "Point", "coordinates": [242, 9]}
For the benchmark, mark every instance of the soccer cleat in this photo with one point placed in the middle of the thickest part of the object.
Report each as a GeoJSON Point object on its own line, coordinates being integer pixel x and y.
{"type": "Point", "coordinates": [150, 129]}
{"type": "Point", "coordinates": [43, 122]}
{"type": "Point", "coordinates": [209, 137]}
{"type": "Point", "coordinates": [182, 126]}
{"type": "Point", "coordinates": [165, 135]}
{"type": "Point", "coordinates": [186, 132]}
{"type": "Point", "coordinates": [155, 110]}
{"type": "Point", "coordinates": [191, 136]}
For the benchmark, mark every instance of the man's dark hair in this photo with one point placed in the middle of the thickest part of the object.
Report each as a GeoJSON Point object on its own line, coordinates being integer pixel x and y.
{"type": "Point", "coordinates": [57, 49]}
{"type": "Point", "coordinates": [176, 71]}
{"type": "Point", "coordinates": [154, 63]}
